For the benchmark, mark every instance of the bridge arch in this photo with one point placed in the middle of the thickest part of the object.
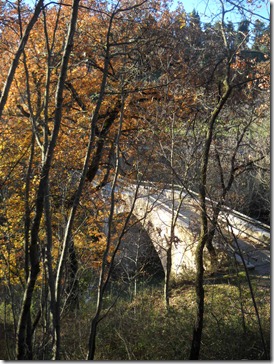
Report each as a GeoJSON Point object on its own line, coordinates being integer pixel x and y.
{"type": "Point", "coordinates": [137, 255]}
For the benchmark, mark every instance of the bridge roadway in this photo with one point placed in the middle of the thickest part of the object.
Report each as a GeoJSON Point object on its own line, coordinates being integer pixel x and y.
{"type": "Point", "coordinates": [154, 207]}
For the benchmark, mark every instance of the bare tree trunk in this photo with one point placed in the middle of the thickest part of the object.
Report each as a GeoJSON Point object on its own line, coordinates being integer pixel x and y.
{"type": "Point", "coordinates": [167, 274]}
{"type": "Point", "coordinates": [75, 201]}
{"type": "Point", "coordinates": [265, 353]}
{"type": "Point", "coordinates": [34, 248]}
{"type": "Point", "coordinates": [72, 285]}
{"type": "Point", "coordinates": [21, 47]}
{"type": "Point", "coordinates": [198, 326]}
{"type": "Point", "coordinates": [105, 273]}
{"type": "Point", "coordinates": [92, 336]}
{"type": "Point", "coordinates": [205, 238]}
{"type": "Point", "coordinates": [26, 232]}
{"type": "Point", "coordinates": [22, 336]}
{"type": "Point", "coordinates": [48, 262]}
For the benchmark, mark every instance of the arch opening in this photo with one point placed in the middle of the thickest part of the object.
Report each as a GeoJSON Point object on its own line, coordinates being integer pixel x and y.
{"type": "Point", "coordinates": [137, 257]}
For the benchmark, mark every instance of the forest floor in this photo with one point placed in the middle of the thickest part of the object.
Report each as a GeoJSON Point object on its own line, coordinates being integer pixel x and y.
{"type": "Point", "coordinates": [138, 327]}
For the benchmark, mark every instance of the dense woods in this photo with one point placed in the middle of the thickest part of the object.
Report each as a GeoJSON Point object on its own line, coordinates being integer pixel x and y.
{"type": "Point", "coordinates": [98, 92]}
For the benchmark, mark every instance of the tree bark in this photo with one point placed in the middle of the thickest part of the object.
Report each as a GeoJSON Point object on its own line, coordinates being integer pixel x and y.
{"type": "Point", "coordinates": [34, 248]}
{"type": "Point", "coordinates": [198, 326]}
{"type": "Point", "coordinates": [205, 238]}
{"type": "Point", "coordinates": [21, 47]}
{"type": "Point", "coordinates": [167, 275]}
{"type": "Point", "coordinates": [75, 201]}
{"type": "Point", "coordinates": [72, 286]}
{"type": "Point", "coordinates": [105, 272]}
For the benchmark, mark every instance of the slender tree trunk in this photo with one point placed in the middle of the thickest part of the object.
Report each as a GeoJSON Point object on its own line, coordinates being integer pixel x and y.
{"type": "Point", "coordinates": [167, 275]}
{"type": "Point", "coordinates": [75, 203]}
{"type": "Point", "coordinates": [265, 353]}
{"type": "Point", "coordinates": [106, 271]}
{"type": "Point", "coordinates": [72, 287]}
{"type": "Point", "coordinates": [48, 263]}
{"type": "Point", "coordinates": [26, 233]}
{"type": "Point", "coordinates": [21, 47]}
{"type": "Point", "coordinates": [92, 338]}
{"type": "Point", "coordinates": [198, 326]}
{"type": "Point", "coordinates": [24, 320]}
{"type": "Point", "coordinates": [34, 248]}
{"type": "Point", "coordinates": [199, 287]}
{"type": "Point", "coordinates": [205, 238]}
{"type": "Point", "coordinates": [212, 253]}
{"type": "Point", "coordinates": [34, 256]}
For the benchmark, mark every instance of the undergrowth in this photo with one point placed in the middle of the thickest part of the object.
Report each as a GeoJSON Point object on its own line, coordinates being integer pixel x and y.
{"type": "Point", "coordinates": [139, 328]}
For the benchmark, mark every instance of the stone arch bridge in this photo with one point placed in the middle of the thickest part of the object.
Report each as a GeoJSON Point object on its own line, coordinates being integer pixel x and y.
{"type": "Point", "coordinates": [155, 209]}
